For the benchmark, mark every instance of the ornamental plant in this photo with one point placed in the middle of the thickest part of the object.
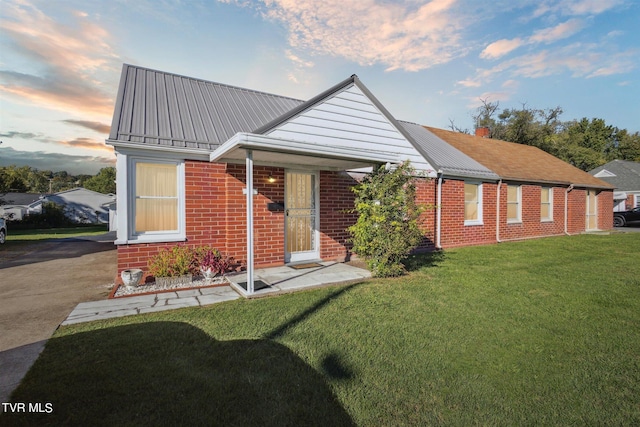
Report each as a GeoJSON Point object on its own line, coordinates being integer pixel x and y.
{"type": "Point", "coordinates": [178, 260]}
{"type": "Point", "coordinates": [387, 229]}
{"type": "Point", "coordinates": [207, 257]}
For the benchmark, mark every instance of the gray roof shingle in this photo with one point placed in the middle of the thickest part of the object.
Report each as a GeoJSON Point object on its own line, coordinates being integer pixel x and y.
{"type": "Point", "coordinates": [627, 174]}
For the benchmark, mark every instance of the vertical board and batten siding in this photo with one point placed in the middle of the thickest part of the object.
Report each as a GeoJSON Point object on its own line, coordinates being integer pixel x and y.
{"type": "Point", "coordinates": [350, 119]}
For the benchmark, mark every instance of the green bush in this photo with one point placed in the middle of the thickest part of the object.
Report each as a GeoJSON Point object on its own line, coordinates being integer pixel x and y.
{"type": "Point", "coordinates": [52, 216]}
{"type": "Point", "coordinates": [178, 260]}
{"type": "Point", "coordinates": [387, 229]}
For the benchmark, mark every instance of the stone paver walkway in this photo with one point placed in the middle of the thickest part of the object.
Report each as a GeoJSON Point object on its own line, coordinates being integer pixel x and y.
{"type": "Point", "coordinates": [126, 306]}
{"type": "Point", "coordinates": [280, 280]}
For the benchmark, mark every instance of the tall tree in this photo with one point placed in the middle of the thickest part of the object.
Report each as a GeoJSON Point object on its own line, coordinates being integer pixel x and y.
{"type": "Point", "coordinates": [103, 182]}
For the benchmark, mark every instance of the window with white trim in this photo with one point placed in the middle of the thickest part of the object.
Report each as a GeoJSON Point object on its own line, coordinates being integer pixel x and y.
{"type": "Point", "coordinates": [472, 203]}
{"type": "Point", "coordinates": [157, 200]}
{"type": "Point", "coordinates": [514, 203]}
{"type": "Point", "coordinates": [546, 204]}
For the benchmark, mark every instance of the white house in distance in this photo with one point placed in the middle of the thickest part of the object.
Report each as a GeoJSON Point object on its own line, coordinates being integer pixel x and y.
{"type": "Point", "coordinates": [18, 205]}
{"type": "Point", "coordinates": [80, 205]}
{"type": "Point", "coordinates": [625, 176]}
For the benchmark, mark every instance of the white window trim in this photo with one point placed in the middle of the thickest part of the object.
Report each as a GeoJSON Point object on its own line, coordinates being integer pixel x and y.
{"type": "Point", "coordinates": [550, 217]}
{"type": "Point", "coordinates": [517, 220]}
{"type": "Point", "coordinates": [478, 221]}
{"type": "Point", "coordinates": [126, 202]}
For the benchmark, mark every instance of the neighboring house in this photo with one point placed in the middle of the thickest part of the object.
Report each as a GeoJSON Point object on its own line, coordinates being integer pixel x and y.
{"type": "Point", "coordinates": [82, 205]}
{"type": "Point", "coordinates": [625, 176]}
{"type": "Point", "coordinates": [18, 205]}
{"type": "Point", "coordinates": [267, 179]}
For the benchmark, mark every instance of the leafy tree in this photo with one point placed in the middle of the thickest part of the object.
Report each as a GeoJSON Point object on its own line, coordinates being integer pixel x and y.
{"type": "Point", "coordinates": [584, 143]}
{"type": "Point", "coordinates": [103, 182]}
{"type": "Point", "coordinates": [628, 146]}
{"type": "Point", "coordinates": [387, 228]}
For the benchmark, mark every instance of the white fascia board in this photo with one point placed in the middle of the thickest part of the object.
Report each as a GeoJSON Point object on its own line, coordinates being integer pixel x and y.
{"type": "Point", "coordinates": [160, 150]}
{"type": "Point", "coordinates": [265, 143]}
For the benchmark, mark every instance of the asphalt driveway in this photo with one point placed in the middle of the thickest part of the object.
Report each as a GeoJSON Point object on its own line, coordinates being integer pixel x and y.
{"type": "Point", "coordinates": [39, 286]}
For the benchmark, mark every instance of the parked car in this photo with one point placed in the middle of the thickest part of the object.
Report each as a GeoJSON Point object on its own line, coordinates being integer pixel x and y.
{"type": "Point", "coordinates": [620, 219]}
{"type": "Point", "coordinates": [3, 230]}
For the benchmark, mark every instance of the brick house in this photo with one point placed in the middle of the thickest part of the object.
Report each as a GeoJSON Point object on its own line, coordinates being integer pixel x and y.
{"type": "Point", "coordinates": [266, 179]}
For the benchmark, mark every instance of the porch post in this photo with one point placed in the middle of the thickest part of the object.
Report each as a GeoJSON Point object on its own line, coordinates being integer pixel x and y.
{"type": "Point", "coordinates": [249, 178]}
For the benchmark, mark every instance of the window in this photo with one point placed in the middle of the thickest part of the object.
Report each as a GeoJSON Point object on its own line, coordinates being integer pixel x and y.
{"type": "Point", "coordinates": [514, 205]}
{"type": "Point", "coordinates": [157, 200]}
{"type": "Point", "coordinates": [546, 204]}
{"type": "Point", "coordinates": [472, 203]}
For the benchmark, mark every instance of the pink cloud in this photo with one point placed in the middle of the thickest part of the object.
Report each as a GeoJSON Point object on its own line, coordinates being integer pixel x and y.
{"type": "Point", "coordinates": [560, 31]}
{"type": "Point", "coordinates": [399, 35]}
{"type": "Point", "coordinates": [500, 48]}
{"type": "Point", "coordinates": [70, 59]}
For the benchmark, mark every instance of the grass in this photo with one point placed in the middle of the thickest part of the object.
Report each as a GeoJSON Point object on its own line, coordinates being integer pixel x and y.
{"type": "Point", "coordinates": [543, 332]}
{"type": "Point", "coordinates": [55, 233]}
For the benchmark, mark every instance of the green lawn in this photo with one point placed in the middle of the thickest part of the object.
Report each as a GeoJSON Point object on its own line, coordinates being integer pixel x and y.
{"type": "Point", "coordinates": [55, 233]}
{"type": "Point", "coordinates": [542, 332]}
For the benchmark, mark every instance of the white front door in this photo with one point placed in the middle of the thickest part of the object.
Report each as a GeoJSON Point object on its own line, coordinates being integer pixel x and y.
{"type": "Point", "coordinates": [301, 216]}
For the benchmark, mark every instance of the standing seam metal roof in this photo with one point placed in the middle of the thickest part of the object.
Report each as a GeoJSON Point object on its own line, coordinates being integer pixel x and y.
{"type": "Point", "coordinates": [157, 108]}
{"type": "Point", "coordinates": [449, 160]}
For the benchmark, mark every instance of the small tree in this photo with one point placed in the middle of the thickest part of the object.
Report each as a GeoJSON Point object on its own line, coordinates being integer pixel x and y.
{"type": "Point", "coordinates": [387, 229]}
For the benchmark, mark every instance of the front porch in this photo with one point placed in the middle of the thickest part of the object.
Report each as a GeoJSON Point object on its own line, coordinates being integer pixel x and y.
{"type": "Point", "coordinates": [290, 278]}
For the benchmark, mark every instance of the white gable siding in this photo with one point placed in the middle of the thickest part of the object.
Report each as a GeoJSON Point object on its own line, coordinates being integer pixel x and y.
{"type": "Point", "coordinates": [350, 119]}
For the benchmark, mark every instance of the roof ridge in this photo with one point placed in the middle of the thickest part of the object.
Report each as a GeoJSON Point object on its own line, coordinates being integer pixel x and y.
{"type": "Point", "coordinates": [197, 79]}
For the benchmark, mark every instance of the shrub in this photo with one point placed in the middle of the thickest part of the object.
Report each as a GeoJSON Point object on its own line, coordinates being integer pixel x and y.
{"type": "Point", "coordinates": [178, 260]}
{"type": "Point", "coordinates": [387, 228]}
{"type": "Point", "coordinates": [210, 257]}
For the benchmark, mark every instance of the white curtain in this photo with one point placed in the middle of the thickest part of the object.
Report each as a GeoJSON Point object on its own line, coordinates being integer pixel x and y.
{"type": "Point", "coordinates": [156, 197]}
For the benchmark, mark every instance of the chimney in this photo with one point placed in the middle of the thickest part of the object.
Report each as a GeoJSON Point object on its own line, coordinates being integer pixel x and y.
{"type": "Point", "coordinates": [483, 132]}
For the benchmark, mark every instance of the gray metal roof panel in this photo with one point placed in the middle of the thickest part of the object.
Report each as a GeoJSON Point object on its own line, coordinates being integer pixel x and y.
{"type": "Point", "coordinates": [443, 156]}
{"type": "Point", "coordinates": [158, 108]}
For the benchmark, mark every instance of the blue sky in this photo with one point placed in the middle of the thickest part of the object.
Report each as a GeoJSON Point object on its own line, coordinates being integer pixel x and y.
{"type": "Point", "coordinates": [427, 61]}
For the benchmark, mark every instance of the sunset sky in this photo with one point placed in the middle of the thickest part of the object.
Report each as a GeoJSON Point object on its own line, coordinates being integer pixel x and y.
{"type": "Point", "coordinates": [427, 61]}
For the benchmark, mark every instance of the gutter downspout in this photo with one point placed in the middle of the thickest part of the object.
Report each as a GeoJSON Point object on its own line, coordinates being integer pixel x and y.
{"type": "Point", "coordinates": [566, 209]}
{"type": "Point", "coordinates": [439, 210]}
{"type": "Point", "coordinates": [498, 212]}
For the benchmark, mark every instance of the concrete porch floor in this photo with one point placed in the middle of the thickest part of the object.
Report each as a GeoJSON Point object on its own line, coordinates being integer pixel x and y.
{"type": "Point", "coordinates": [286, 278]}
{"type": "Point", "coordinates": [282, 279]}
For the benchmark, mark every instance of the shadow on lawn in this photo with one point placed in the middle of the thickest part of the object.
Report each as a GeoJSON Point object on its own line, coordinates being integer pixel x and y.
{"type": "Point", "coordinates": [168, 373]}
{"type": "Point", "coordinates": [424, 260]}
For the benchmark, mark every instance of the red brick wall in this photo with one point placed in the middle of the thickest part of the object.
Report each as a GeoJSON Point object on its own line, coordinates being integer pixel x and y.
{"type": "Point", "coordinates": [454, 232]}
{"type": "Point", "coordinates": [268, 227]}
{"type": "Point", "coordinates": [605, 210]}
{"type": "Point", "coordinates": [531, 224]}
{"type": "Point", "coordinates": [336, 198]}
